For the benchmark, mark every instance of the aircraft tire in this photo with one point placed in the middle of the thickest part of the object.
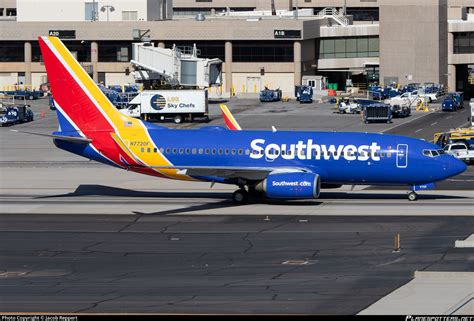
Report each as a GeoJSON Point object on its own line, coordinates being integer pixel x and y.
{"type": "Point", "coordinates": [178, 119]}
{"type": "Point", "coordinates": [412, 196]}
{"type": "Point", "coordinates": [240, 197]}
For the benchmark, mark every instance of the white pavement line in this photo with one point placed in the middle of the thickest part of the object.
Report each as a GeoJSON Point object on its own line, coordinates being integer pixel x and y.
{"type": "Point", "coordinates": [449, 117]}
{"type": "Point", "coordinates": [429, 293]}
{"type": "Point", "coordinates": [434, 123]}
{"type": "Point", "coordinates": [419, 130]}
{"type": "Point", "coordinates": [407, 122]}
{"type": "Point", "coordinates": [469, 242]}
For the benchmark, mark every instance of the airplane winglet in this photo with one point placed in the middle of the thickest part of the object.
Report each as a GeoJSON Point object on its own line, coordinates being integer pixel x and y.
{"type": "Point", "coordinates": [229, 119]}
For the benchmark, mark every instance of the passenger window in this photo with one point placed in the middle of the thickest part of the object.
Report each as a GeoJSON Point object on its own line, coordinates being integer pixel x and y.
{"type": "Point", "coordinates": [247, 152]}
{"type": "Point", "coordinates": [142, 149]}
{"type": "Point", "coordinates": [194, 151]}
{"type": "Point", "coordinates": [208, 151]}
{"type": "Point", "coordinates": [434, 153]}
{"type": "Point", "coordinates": [201, 151]}
{"type": "Point", "coordinates": [240, 151]}
{"type": "Point", "coordinates": [168, 150]}
{"type": "Point", "coordinates": [175, 150]}
{"type": "Point", "coordinates": [188, 151]}
{"type": "Point", "coordinates": [162, 150]}
{"type": "Point", "coordinates": [214, 151]}
{"type": "Point", "coordinates": [221, 151]}
{"type": "Point", "coordinates": [181, 150]}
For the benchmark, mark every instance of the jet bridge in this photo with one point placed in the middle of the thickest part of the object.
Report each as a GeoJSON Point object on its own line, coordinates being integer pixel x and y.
{"type": "Point", "coordinates": [157, 67]}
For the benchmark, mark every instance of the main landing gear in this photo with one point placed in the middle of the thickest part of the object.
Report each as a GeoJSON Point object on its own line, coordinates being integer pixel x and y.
{"type": "Point", "coordinates": [240, 196]}
{"type": "Point", "coordinates": [412, 196]}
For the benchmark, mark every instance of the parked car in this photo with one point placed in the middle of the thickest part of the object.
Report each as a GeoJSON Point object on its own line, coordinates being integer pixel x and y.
{"type": "Point", "coordinates": [460, 151]}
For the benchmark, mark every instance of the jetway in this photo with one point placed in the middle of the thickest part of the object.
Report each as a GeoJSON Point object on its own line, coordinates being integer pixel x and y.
{"type": "Point", "coordinates": [157, 67]}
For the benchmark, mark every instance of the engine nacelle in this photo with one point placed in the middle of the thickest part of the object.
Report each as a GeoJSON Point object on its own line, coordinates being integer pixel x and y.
{"type": "Point", "coordinates": [291, 186]}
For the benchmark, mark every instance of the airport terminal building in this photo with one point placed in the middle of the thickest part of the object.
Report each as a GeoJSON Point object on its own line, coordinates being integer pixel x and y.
{"type": "Point", "coordinates": [368, 41]}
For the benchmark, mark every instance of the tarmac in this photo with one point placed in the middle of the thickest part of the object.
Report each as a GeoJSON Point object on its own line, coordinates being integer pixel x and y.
{"type": "Point", "coordinates": [77, 236]}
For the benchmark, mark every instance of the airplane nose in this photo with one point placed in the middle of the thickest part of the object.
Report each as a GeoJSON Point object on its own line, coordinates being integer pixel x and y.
{"type": "Point", "coordinates": [456, 167]}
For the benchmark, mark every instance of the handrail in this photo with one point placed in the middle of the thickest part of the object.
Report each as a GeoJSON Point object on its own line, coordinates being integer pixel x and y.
{"type": "Point", "coordinates": [336, 14]}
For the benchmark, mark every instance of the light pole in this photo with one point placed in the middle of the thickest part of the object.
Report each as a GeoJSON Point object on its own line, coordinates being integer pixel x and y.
{"type": "Point", "coordinates": [108, 9]}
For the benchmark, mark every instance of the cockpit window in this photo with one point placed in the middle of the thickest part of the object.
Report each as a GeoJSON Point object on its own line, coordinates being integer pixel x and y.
{"type": "Point", "coordinates": [432, 152]}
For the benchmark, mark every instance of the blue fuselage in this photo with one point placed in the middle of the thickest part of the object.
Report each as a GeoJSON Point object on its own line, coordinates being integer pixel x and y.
{"type": "Point", "coordinates": [345, 158]}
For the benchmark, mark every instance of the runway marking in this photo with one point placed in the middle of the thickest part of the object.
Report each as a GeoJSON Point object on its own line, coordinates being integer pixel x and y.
{"type": "Point", "coordinates": [434, 123]}
{"type": "Point", "coordinates": [419, 130]}
{"type": "Point", "coordinates": [449, 117]}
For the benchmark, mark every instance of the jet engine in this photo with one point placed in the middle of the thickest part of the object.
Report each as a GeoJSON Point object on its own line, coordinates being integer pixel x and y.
{"type": "Point", "coordinates": [290, 186]}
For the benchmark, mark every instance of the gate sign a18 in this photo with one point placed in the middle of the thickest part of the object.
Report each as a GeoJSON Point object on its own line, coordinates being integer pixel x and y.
{"type": "Point", "coordinates": [279, 34]}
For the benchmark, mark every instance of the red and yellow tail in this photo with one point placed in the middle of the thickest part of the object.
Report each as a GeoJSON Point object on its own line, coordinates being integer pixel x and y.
{"type": "Point", "coordinates": [85, 108]}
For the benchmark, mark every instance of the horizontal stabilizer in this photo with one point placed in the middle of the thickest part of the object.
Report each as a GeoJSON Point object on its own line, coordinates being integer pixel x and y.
{"type": "Point", "coordinates": [73, 139]}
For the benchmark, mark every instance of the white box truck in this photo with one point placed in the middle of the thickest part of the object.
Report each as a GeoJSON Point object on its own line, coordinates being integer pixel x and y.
{"type": "Point", "coordinates": [179, 105]}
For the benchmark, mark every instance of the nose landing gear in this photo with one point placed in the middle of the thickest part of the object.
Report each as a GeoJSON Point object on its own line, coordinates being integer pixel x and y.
{"type": "Point", "coordinates": [412, 196]}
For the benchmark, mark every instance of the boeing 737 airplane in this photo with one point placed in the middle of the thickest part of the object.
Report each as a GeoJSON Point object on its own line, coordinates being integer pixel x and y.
{"type": "Point", "coordinates": [273, 164]}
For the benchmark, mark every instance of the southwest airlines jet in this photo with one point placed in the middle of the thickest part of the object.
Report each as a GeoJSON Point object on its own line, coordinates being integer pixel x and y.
{"type": "Point", "coordinates": [273, 164]}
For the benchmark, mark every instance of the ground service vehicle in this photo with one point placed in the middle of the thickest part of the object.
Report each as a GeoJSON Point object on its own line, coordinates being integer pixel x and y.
{"type": "Point", "coordinates": [458, 135]}
{"type": "Point", "coordinates": [305, 94]}
{"type": "Point", "coordinates": [460, 151]}
{"type": "Point", "coordinates": [270, 95]}
{"type": "Point", "coordinates": [349, 106]}
{"type": "Point", "coordinates": [179, 105]}
{"type": "Point", "coordinates": [453, 102]}
{"type": "Point", "coordinates": [11, 115]}
{"type": "Point", "coordinates": [377, 113]}
{"type": "Point", "coordinates": [27, 94]}
{"type": "Point", "coordinates": [401, 111]}
{"type": "Point", "coordinates": [275, 164]}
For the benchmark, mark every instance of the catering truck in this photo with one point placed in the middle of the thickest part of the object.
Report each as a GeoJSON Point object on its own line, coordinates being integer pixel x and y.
{"type": "Point", "coordinates": [179, 105]}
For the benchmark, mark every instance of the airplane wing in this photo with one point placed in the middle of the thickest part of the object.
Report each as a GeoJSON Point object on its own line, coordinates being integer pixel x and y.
{"type": "Point", "coordinates": [72, 139]}
{"type": "Point", "coordinates": [249, 173]}
{"type": "Point", "coordinates": [229, 119]}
